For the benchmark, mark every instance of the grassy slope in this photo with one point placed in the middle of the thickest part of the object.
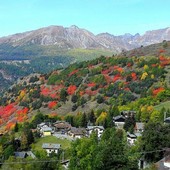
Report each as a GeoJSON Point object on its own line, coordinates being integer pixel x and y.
{"type": "Point", "coordinates": [87, 54]}
{"type": "Point", "coordinates": [166, 105]}
{"type": "Point", "coordinates": [151, 50]}
{"type": "Point", "coordinates": [51, 139]}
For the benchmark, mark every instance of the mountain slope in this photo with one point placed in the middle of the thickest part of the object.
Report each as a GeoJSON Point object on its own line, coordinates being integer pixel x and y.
{"type": "Point", "coordinates": [53, 47]}
{"type": "Point", "coordinates": [150, 50]}
{"type": "Point", "coordinates": [129, 82]}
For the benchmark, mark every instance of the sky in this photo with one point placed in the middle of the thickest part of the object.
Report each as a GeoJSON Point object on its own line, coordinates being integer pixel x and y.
{"type": "Point", "coordinates": [113, 16]}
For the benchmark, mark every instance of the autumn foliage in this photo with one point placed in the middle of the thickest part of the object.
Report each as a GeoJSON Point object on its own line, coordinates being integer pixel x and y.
{"type": "Point", "coordinates": [52, 104]}
{"type": "Point", "coordinates": [116, 77]}
{"type": "Point", "coordinates": [71, 89]}
{"type": "Point", "coordinates": [10, 125]}
{"type": "Point", "coordinates": [164, 61]}
{"type": "Point", "coordinates": [73, 72]}
{"type": "Point", "coordinates": [7, 111]}
{"type": "Point", "coordinates": [22, 114]}
{"type": "Point", "coordinates": [91, 84]}
{"type": "Point", "coordinates": [134, 77]}
{"type": "Point", "coordinates": [158, 90]}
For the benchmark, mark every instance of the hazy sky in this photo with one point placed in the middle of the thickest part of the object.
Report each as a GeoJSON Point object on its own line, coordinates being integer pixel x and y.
{"type": "Point", "coordinates": [113, 16]}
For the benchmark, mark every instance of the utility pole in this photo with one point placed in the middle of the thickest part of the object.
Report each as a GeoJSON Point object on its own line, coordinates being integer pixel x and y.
{"type": "Point", "coordinates": [63, 156]}
{"type": "Point", "coordinates": [164, 117]}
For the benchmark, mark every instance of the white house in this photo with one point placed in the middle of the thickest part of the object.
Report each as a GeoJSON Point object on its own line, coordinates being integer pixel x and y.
{"type": "Point", "coordinates": [167, 120]}
{"type": "Point", "coordinates": [131, 138]}
{"type": "Point", "coordinates": [139, 127]}
{"type": "Point", "coordinates": [51, 147]}
{"type": "Point", "coordinates": [119, 121]}
{"type": "Point", "coordinates": [98, 129]}
{"type": "Point", "coordinates": [164, 164]}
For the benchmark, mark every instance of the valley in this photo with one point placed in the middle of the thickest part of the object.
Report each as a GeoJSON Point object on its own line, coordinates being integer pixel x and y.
{"type": "Point", "coordinates": [83, 102]}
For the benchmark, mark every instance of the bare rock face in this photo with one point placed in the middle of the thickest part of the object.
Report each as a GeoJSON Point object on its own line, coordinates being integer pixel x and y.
{"type": "Point", "coordinates": [74, 37]}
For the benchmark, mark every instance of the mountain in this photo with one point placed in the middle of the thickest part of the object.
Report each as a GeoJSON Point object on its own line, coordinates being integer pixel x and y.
{"type": "Point", "coordinates": [74, 37]}
{"type": "Point", "coordinates": [55, 47]}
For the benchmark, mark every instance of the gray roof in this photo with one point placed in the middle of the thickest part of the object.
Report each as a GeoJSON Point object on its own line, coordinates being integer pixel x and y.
{"type": "Point", "coordinates": [118, 117]}
{"type": "Point", "coordinates": [78, 131]}
{"type": "Point", "coordinates": [167, 120]}
{"type": "Point", "coordinates": [131, 135]}
{"type": "Point", "coordinates": [20, 154]}
{"type": "Point", "coordinates": [41, 124]}
{"type": "Point", "coordinates": [51, 146]}
{"type": "Point", "coordinates": [62, 125]}
{"type": "Point", "coordinates": [46, 129]}
{"type": "Point", "coordinates": [29, 153]}
{"type": "Point", "coordinates": [24, 154]}
{"type": "Point", "coordinates": [95, 127]}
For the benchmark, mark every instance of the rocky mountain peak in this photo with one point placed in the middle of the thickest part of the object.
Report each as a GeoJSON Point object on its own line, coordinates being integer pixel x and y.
{"type": "Point", "coordinates": [75, 37]}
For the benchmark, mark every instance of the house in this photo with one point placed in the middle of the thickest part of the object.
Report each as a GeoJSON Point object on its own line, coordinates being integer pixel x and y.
{"type": "Point", "coordinates": [131, 138]}
{"type": "Point", "coordinates": [62, 126]}
{"type": "Point", "coordinates": [164, 164]}
{"type": "Point", "coordinates": [139, 127]}
{"type": "Point", "coordinates": [77, 132]}
{"type": "Point", "coordinates": [43, 124]}
{"type": "Point", "coordinates": [39, 126]}
{"type": "Point", "coordinates": [51, 147]}
{"type": "Point", "coordinates": [119, 121]}
{"type": "Point", "coordinates": [46, 131]}
{"type": "Point", "coordinates": [167, 120]}
{"type": "Point", "coordinates": [98, 129]}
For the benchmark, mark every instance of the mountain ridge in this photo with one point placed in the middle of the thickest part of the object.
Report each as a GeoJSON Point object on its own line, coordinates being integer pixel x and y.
{"type": "Point", "coordinates": [74, 37]}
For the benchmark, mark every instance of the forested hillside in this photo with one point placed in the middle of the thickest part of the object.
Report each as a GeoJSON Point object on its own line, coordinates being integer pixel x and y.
{"type": "Point", "coordinates": [135, 83]}
{"type": "Point", "coordinates": [15, 64]}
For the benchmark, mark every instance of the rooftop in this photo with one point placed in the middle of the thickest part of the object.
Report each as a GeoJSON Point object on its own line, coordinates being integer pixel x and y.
{"type": "Point", "coordinates": [51, 146]}
{"type": "Point", "coordinates": [94, 127]}
{"type": "Point", "coordinates": [62, 125]}
{"type": "Point", "coordinates": [46, 129]}
{"type": "Point", "coordinates": [118, 117]}
{"type": "Point", "coordinates": [131, 135]}
{"type": "Point", "coordinates": [78, 131]}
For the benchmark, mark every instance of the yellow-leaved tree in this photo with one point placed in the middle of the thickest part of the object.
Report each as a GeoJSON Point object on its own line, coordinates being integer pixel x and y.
{"type": "Point", "coordinates": [145, 67]}
{"type": "Point", "coordinates": [21, 95]}
{"type": "Point", "coordinates": [100, 120]}
{"type": "Point", "coordinates": [144, 75]}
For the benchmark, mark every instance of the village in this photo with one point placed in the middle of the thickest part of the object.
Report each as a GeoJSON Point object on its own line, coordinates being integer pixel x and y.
{"type": "Point", "coordinates": [64, 130]}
